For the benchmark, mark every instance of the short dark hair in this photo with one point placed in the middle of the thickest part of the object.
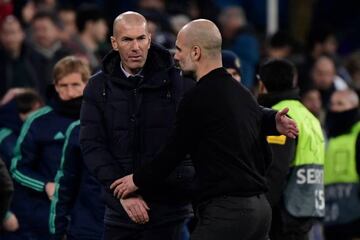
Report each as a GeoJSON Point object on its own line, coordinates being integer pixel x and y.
{"type": "Point", "coordinates": [26, 101]}
{"type": "Point", "coordinates": [277, 75]}
{"type": "Point", "coordinates": [47, 15]}
{"type": "Point", "coordinates": [86, 13]}
{"type": "Point", "coordinates": [280, 39]}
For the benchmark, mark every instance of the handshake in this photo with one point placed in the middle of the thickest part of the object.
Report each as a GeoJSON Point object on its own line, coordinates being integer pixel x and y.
{"type": "Point", "coordinates": [134, 205]}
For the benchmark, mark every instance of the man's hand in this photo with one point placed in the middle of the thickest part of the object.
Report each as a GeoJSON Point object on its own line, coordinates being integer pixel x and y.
{"type": "Point", "coordinates": [10, 223]}
{"type": "Point", "coordinates": [123, 186]}
{"type": "Point", "coordinates": [50, 189]}
{"type": "Point", "coordinates": [285, 125]}
{"type": "Point", "coordinates": [136, 208]}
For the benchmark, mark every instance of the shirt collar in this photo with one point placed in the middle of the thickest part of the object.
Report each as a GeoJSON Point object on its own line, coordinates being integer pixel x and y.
{"type": "Point", "coordinates": [127, 74]}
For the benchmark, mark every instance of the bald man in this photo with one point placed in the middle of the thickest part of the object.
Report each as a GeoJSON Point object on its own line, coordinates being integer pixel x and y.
{"type": "Point", "coordinates": [129, 108]}
{"type": "Point", "coordinates": [222, 127]}
{"type": "Point", "coordinates": [342, 167]}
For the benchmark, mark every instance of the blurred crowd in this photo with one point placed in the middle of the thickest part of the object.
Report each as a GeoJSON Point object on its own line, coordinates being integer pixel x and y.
{"type": "Point", "coordinates": [320, 37]}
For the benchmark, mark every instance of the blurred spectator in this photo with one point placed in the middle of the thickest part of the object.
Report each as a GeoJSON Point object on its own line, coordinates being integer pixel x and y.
{"type": "Point", "coordinates": [238, 38]}
{"type": "Point", "coordinates": [296, 200]}
{"type": "Point", "coordinates": [16, 66]}
{"type": "Point", "coordinates": [67, 17]}
{"type": "Point", "coordinates": [6, 9]}
{"type": "Point", "coordinates": [77, 209]}
{"type": "Point", "coordinates": [322, 40]}
{"type": "Point", "coordinates": [38, 150]}
{"type": "Point", "coordinates": [92, 30]}
{"type": "Point", "coordinates": [353, 66]}
{"type": "Point", "coordinates": [280, 46]}
{"type": "Point", "coordinates": [231, 63]}
{"type": "Point", "coordinates": [159, 28]}
{"type": "Point", "coordinates": [157, 5]}
{"type": "Point", "coordinates": [6, 190]}
{"type": "Point", "coordinates": [325, 79]}
{"type": "Point", "coordinates": [342, 168]}
{"type": "Point", "coordinates": [178, 21]}
{"type": "Point", "coordinates": [13, 114]}
{"type": "Point", "coordinates": [48, 46]}
{"type": "Point", "coordinates": [311, 99]}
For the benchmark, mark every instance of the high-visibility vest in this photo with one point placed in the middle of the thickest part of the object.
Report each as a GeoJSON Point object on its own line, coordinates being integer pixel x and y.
{"type": "Point", "coordinates": [341, 179]}
{"type": "Point", "coordinates": [304, 191]}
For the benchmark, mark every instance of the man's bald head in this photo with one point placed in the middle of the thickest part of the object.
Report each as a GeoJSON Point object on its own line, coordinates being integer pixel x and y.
{"type": "Point", "coordinates": [203, 33]}
{"type": "Point", "coordinates": [129, 19]}
{"type": "Point", "coordinates": [344, 100]}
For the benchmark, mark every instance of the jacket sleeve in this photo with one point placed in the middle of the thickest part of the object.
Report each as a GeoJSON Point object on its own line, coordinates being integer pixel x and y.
{"type": "Point", "coordinates": [67, 184]}
{"type": "Point", "coordinates": [7, 144]}
{"type": "Point", "coordinates": [268, 121]}
{"type": "Point", "coordinates": [283, 153]}
{"type": "Point", "coordinates": [93, 142]}
{"type": "Point", "coordinates": [26, 157]}
{"type": "Point", "coordinates": [6, 190]}
{"type": "Point", "coordinates": [179, 144]}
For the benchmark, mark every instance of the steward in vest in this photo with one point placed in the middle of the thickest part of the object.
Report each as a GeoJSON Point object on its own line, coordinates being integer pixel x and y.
{"type": "Point", "coordinates": [342, 168]}
{"type": "Point", "coordinates": [296, 190]}
{"type": "Point", "coordinates": [38, 149]}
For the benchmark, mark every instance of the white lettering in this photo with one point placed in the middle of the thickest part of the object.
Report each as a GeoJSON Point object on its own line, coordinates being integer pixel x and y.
{"type": "Point", "coordinates": [309, 176]}
{"type": "Point", "coordinates": [301, 178]}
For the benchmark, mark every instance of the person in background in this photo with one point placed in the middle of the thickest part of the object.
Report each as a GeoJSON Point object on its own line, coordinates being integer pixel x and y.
{"type": "Point", "coordinates": [325, 79]}
{"type": "Point", "coordinates": [92, 32]}
{"type": "Point", "coordinates": [77, 210]}
{"type": "Point", "coordinates": [7, 220]}
{"type": "Point", "coordinates": [45, 32]}
{"type": "Point", "coordinates": [16, 66]}
{"type": "Point", "coordinates": [13, 114]}
{"type": "Point", "coordinates": [231, 63]}
{"type": "Point", "coordinates": [296, 200]}
{"type": "Point", "coordinates": [342, 167]}
{"type": "Point", "coordinates": [38, 149]}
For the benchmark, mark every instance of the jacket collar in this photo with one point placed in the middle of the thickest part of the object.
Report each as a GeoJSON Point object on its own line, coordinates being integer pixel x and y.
{"type": "Point", "coordinates": [270, 99]}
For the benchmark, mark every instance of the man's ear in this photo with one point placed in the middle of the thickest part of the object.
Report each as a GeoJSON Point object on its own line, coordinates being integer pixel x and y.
{"type": "Point", "coordinates": [195, 53]}
{"type": "Point", "coordinates": [262, 88]}
{"type": "Point", "coordinates": [114, 43]}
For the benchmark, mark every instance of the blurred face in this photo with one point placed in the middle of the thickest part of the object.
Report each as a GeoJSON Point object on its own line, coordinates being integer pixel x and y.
{"type": "Point", "coordinates": [330, 45]}
{"type": "Point", "coordinates": [133, 43]}
{"type": "Point", "coordinates": [68, 19]}
{"type": "Point", "coordinates": [234, 74]}
{"type": "Point", "coordinates": [45, 32]}
{"type": "Point", "coordinates": [99, 30]}
{"type": "Point", "coordinates": [323, 73]}
{"type": "Point", "coordinates": [183, 56]}
{"type": "Point", "coordinates": [312, 101]}
{"type": "Point", "coordinates": [11, 35]}
{"type": "Point", "coordinates": [71, 86]}
{"type": "Point", "coordinates": [340, 103]}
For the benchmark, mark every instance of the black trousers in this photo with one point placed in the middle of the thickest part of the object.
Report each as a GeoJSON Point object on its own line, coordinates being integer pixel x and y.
{"type": "Point", "coordinates": [233, 218]}
{"type": "Point", "coordinates": [286, 227]}
{"type": "Point", "coordinates": [168, 231]}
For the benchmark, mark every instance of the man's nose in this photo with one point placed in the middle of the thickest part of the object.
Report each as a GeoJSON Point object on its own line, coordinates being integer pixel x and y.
{"type": "Point", "coordinates": [136, 45]}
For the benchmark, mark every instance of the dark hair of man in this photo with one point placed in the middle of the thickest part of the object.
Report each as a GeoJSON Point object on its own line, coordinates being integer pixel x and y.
{"type": "Point", "coordinates": [47, 15]}
{"type": "Point", "coordinates": [280, 39]}
{"type": "Point", "coordinates": [26, 101]}
{"type": "Point", "coordinates": [86, 13]}
{"type": "Point", "coordinates": [277, 75]}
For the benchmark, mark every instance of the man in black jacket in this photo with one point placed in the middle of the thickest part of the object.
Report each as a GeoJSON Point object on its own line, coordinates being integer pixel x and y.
{"type": "Point", "coordinates": [220, 124]}
{"type": "Point", "coordinates": [128, 111]}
